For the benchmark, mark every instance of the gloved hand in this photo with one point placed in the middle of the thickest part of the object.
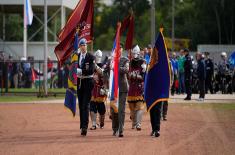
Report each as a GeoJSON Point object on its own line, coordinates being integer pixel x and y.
{"type": "Point", "coordinates": [144, 67]}
{"type": "Point", "coordinates": [102, 91]}
{"type": "Point", "coordinates": [79, 71]}
{"type": "Point", "coordinates": [132, 75]}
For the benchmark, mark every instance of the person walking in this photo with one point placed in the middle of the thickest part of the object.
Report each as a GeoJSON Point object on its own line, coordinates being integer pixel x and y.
{"type": "Point", "coordinates": [85, 84]}
{"type": "Point", "coordinates": [118, 118]}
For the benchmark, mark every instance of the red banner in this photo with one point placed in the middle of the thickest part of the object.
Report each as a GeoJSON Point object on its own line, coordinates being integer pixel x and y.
{"type": "Point", "coordinates": [81, 19]}
{"type": "Point", "coordinates": [128, 23]}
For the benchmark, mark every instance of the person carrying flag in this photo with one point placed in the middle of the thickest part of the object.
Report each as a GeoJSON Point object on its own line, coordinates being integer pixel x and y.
{"type": "Point", "coordinates": [85, 83]}
{"type": "Point", "coordinates": [118, 118]}
{"type": "Point", "coordinates": [157, 83]}
{"type": "Point", "coordinates": [136, 81]}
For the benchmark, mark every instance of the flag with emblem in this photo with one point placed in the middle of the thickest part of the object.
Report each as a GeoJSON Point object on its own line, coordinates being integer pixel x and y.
{"type": "Point", "coordinates": [157, 81]}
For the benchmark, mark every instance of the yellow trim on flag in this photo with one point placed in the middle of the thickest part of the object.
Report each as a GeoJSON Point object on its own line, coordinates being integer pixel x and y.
{"type": "Point", "coordinates": [154, 103]}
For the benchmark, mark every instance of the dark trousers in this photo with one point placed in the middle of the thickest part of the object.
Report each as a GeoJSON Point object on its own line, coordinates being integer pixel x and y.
{"type": "Point", "coordinates": [84, 98]}
{"type": "Point", "coordinates": [181, 82]}
{"type": "Point", "coordinates": [164, 108]}
{"type": "Point", "coordinates": [209, 84]}
{"type": "Point", "coordinates": [155, 116]}
{"type": "Point", "coordinates": [97, 106]}
{"type": "Point", "coordinates": [188, 83]}
{"type": "Point", "coordinates": [114, 120]}
{"type": "Point", "coordinates": [201, 85]}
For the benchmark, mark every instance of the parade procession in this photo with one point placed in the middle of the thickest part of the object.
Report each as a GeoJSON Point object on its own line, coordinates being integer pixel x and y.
{"type": "Point", "coordinates": [125, 77]}
{"type": "Point", "coordinates": [117, 77]}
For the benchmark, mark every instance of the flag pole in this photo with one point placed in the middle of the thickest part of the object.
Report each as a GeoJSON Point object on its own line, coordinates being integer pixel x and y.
{"type": "Point", "coordinates": [45, 47]}
{"type": "Point", "coordinates": [25, 32]}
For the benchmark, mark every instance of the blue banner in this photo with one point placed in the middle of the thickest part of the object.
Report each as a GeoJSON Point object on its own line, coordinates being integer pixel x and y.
{"type": "Point", "coordinates": [157, 81]}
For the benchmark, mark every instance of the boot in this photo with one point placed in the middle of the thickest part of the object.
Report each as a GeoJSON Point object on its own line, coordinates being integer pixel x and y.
{"type": "Point", "coordinates": [93, 121]}
{"type": "Point", "coordinates": [139, 114]}
{"type": "Point", "coordinates": [102, 117]}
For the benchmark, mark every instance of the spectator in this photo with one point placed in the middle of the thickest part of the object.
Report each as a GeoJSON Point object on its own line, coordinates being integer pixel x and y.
{"type": "Point", "coordinates": [27, 73]}
{"type": "Point", "coordinates": [181, 61]}
{"type": "Point", "coordinates": [188, 72]}
{"type": "Point", "coordinates": [201, 73]}
{"type": "Point", "coordinates": [174, 63]}
{"type": "Point", "coordinates": [209, 72]}
{"type": "Point", "coordinates": [49, 64]}
{"type": "Point", "coordinates": [148, 53]}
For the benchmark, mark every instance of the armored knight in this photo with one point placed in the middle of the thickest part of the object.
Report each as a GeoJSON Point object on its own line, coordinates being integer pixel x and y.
{"type": "Point", "coordinates": [136, 82]}
{"type": "Point", "coordinates": [99, 94]}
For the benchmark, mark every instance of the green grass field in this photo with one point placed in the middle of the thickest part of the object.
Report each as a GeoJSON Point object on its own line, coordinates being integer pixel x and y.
{"type": "Point", "coordinates": [30, 94]}
{"type": "Point", "coordinates": [31, 90]}
{"type": "Point", "coordinates": [4, 99]}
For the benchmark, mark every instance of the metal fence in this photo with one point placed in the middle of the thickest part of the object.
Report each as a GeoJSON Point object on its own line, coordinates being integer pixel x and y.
{"type": "Point", "coordinates": [26, 77]}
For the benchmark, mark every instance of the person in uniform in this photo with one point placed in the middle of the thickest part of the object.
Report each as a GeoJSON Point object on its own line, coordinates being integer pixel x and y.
{"type": "Point", "coordinates": [201, 74]}
{"type": "Point", "coordinates": [188, 71]}
{"type": "Point", "coordinates": [118, 118]}
{"type": "Point", "coordinates": [86, 68]}
{"type": "Point", "coordinates": [223, 70]}
{"type": "Point", "coordinates": [99, 93]}
{"type": "Point", "coordinates": [136, 82]}
{"type": "Point", "coordinates": [209, 73]}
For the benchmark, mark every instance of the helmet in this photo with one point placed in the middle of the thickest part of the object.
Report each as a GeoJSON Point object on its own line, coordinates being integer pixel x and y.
{"type": "Point", "coordinates": [98, 56]}
{"type": "Point", "coordinates": [223, 54]}
{"type": "Point", "coordinates": [135, 51]}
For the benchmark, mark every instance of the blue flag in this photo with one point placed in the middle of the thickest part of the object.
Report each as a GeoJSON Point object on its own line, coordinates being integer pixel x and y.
{"type": "Point", "coordinates": [70, 101]}
{"type": "Point", "coordinates": [157, 81]}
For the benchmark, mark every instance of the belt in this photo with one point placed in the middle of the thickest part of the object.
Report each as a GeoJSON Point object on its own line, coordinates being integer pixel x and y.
{"type": "Point", "coordinates": [84, 77]}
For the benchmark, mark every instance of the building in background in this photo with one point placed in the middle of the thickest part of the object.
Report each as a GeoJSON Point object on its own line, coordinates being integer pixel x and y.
{"type": "Point", "coordinates": [11, 26]}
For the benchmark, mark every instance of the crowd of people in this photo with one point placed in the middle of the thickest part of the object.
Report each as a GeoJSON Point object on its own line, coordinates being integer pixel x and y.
{"type": "Point", "coordinates": [201, 75]}
{"type": "Point", "coordinates": [27, 73]}
{"type": "Point", "coordinates": [219, 77]}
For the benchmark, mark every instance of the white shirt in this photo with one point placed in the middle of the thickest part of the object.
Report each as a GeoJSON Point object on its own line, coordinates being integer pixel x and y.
{"type": "Point", "coordinates": [82, 55]}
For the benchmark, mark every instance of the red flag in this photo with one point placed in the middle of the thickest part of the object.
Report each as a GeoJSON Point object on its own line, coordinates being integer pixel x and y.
{"type": "Point", "coordinates": [128, 22]}
{"type": "Point", "coordinates": [81, 18]}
